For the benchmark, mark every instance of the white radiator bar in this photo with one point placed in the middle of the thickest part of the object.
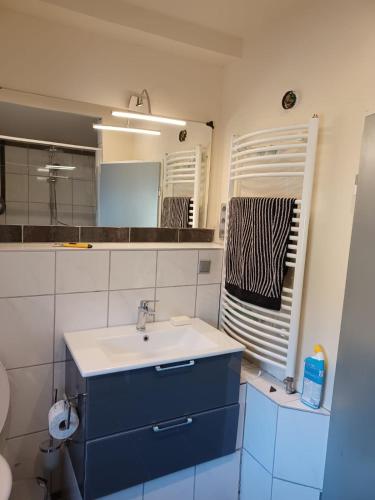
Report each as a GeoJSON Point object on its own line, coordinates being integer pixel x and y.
{"type": "Point", "coordinates": [287, 152]}
{"type": "Point", "coordinates": [184, 167]}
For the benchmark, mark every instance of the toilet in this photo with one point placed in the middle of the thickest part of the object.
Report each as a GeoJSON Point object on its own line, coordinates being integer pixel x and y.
{"type": "Point", "coordinates": [5, 472]}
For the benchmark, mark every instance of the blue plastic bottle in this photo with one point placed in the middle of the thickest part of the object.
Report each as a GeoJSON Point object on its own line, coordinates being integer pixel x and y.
{"type": "Point", "coordinates": [313, 379]}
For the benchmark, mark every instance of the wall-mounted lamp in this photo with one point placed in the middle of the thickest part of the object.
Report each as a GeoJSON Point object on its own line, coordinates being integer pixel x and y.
{"type": "Point", "coordinates": [149, 117]}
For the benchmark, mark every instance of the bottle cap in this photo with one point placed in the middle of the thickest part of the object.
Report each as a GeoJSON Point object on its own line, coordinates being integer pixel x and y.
{"type": "Point", "coordinates": [318, 348]}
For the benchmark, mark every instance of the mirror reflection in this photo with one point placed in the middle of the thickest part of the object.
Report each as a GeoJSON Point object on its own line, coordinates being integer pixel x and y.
{"type": "Point", "coordinates": [57, 169]}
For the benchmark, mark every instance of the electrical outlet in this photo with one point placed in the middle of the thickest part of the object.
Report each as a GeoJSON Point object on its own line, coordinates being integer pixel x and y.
{"type": "Point", "coordinates": [223, 213]}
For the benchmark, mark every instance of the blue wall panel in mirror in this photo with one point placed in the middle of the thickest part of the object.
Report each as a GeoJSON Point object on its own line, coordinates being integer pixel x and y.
{"type": "Point", "coordinates": [129, 194]}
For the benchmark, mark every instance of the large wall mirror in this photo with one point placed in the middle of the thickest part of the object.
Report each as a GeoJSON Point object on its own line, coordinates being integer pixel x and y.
{"type": "Point", "coordinates": [57, 169]}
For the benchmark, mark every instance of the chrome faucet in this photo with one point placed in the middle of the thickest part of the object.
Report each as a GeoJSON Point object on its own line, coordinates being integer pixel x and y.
{"type": "Point", "coordinates": [144, 313]}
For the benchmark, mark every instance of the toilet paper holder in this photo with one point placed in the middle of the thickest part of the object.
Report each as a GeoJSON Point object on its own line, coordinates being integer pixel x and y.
{"type": "Point", "coordinates": [68, 400]}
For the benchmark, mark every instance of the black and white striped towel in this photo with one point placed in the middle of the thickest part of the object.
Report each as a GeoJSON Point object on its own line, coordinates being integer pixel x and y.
{"type": "Point", "coordinates": [258, 232]}
{"type": "Point", "coordinates": [175, 211]}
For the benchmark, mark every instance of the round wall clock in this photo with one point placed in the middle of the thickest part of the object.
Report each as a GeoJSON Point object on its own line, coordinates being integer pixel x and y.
{"type": "Point", "coordinates": [289, 99]}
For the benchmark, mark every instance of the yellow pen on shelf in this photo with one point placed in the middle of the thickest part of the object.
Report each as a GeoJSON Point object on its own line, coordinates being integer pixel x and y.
{"type": "Point", "coordinates": [74, 245]}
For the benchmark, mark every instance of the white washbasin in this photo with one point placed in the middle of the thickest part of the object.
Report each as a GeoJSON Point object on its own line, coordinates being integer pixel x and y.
{"type": "Point", "coordinates": [5, 479]}
{"type": "Point", "coordinates": [120, 348]}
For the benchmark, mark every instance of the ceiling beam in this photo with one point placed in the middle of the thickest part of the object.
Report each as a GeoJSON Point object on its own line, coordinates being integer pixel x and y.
{"type": "Point", "coordinates": [139, 25]}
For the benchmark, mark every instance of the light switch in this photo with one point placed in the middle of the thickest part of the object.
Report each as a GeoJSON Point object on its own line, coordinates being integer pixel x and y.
{"type": "Point", "coordinates": [204, 266]}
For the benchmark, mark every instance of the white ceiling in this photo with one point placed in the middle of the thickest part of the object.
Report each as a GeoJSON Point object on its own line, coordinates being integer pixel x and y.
{"type": "Point", "coordinates": [212, 30]}
{"type": "Point", "coordinates": [227, 16]}
{"type": "Point", "coordinates": [233, 17]}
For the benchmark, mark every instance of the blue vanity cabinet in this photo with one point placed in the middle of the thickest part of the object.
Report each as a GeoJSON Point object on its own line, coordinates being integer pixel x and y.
{"type": "Point", "coordinates": [143, 454]}
{"type": "Point", "coordinates": [141, 424]}
{"type": "Point", "coordinates": [126, 400]}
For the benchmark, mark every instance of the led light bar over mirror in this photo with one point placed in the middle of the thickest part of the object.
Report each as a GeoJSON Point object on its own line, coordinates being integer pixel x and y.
{"type": "Point", "coordinates": [148, 117]}
{"type": "Point", "coordinates": [126, 129]}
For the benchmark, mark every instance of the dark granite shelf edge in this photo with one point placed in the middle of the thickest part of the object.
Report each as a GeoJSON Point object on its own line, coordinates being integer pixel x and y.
{"type": "Point", "coordinates": [51, 234]}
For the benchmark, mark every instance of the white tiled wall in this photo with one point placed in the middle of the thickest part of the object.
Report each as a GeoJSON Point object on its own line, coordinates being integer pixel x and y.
{"type": "Point", "coordinates": [284, 450]}
{"type": "Point", "coordinates": [82, 271]}
{"type": "Point", "coordinates": [300, 447]}
{"type": "Point", "coordinates": [44, 293]}
{"type": "Point", "coordinates": [260, 428]}
{"type": "Point", "coordinates": [27, 273]}
{"type": "Point", "coordinates": [177, 268]}
{"type": "Point", "coordinates": [284, 490]}
{"type": "Point", "coordinates": [178, 485]}
{"type": "Point", "coordinates": [216, 480]}
{"type": "Point", "coordinates": [256, 481]}
{"type": "Point", "coordinates": [27, 189]}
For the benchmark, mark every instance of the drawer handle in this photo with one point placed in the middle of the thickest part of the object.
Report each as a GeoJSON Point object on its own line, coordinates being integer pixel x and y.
{"type": "Point", "coordinates": [156, 428]}
{"type": "Point", "coordinates": [174, 367]}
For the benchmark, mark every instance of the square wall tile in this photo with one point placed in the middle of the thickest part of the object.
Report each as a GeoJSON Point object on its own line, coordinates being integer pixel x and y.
{"type": "Point", "coordinates": [175, 301]}
{"type": "Point", "coordinates": [65, 213]}
{"type": "Point", "coordinates": [38, 189]}
{"type": "Point", "coordinates": [64, 191]}
{"type": "Point", "coordinates": [38, 157]}
{"type": "Point", "coordinates": [85, 167]}
{"type": "Point", "coordinates": [208, 302]}
{"type": "Point", "coordinates": [153, 234]}
{"type": "Point", "coordinates": [39, 214]}
{"type": "Point", "coordinates": [301, 446]}
{"type": "Point", "coordinates": [177, 267]}
{"type": "Point", "coordinates": [104, 234]}
{"type": "Point", "coordinates": [27, 273]}
{"type": "Point", "coordinates": [78, 311]}
{"type": "Point", "coordinates": [123, 305]}
{"type": "Point", "coordinates": [30, 399]}
{"type": "Point", "coordinates": [83, 193]}
{"type": "Point", "coordinates": [22, 454]}
{"type": "Point", "coordinates": [216, 259]}
{"type": "Point", "coordinates": [218, 479]}
{"type": "Point", "coordinates": [133, 269]}
{"type": "Point", "coordinates": [27, 333]}
{"type": "Point", "coordinates": [256, 482]}
{"type": "Point", "coordinates": [16, 160]}
{"type": "Point", "coordinates": [16, 213]}
{"type": "Point", "coordinates": [64, 159]}
{"type": "Point", "coordinates": [10, 233]}
{"type": "Point", "coordinates": [179, 485]}
{"type": "Point", "coordinates": [282, 490]}
{"type": "Point", "coordinates": [260, 427]}
{"type": "Point", "coordinates": [82, 271]}
{"type": "Point", "coordinates": [50, 233]}
{"type": "Point", "coordinates": [84, 216]}
{"type": "Point", "coordinates": [16, 187]}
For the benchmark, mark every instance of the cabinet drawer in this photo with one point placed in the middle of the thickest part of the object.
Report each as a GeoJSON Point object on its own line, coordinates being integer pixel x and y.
{"type": "Point", "coordinates": [128, 400]}
{"type": "Point", "coordinates": [123, 460]}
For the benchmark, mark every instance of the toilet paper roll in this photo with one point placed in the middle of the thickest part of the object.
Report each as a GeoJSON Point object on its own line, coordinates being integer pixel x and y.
{"type": "Point", "coordinates": [58, 420]}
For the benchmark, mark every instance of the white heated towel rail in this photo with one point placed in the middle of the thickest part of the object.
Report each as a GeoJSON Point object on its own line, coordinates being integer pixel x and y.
{"type": "Point", "coordinates": [279, 155]}
{"type": "Point", "coordinates": [182, 176]}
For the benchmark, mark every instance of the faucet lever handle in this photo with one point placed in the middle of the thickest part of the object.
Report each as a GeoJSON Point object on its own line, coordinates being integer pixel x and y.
{"type": "Point", "coordinates": [145, 302]}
